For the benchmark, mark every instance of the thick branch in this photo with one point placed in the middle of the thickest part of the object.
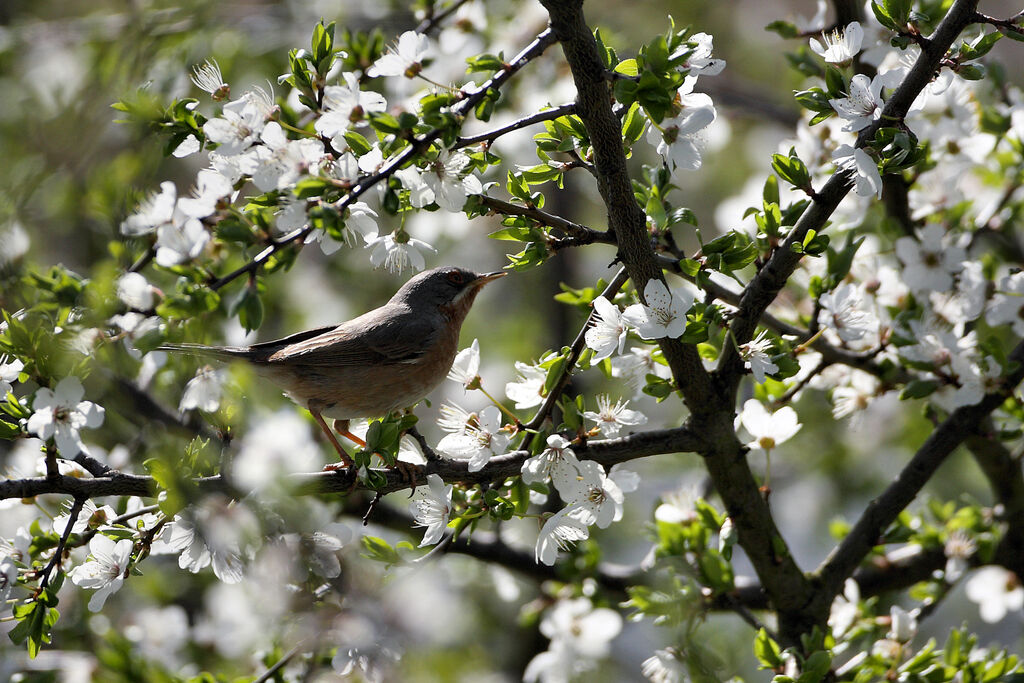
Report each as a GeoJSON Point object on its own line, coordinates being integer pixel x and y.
{"type": "Point", "coordinates": [607, 452]}
{"type": "Point", "coordinates": [625, 218]}
{"type": "Point", "coordinates": [1006, 478]}
{"type": "Point", "coordinates": [882, 511]}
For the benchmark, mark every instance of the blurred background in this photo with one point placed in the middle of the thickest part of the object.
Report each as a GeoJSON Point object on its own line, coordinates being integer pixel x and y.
{"type": "Point", "coordinates": [71, 173]}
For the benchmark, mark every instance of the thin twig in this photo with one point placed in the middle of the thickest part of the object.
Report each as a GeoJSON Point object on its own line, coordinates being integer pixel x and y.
{"type": "Point", "coordinates": [417, 147]}
{"type": "Point", "coordinates": [492, 135]}
{"type": "Point", "coordinates": [578, 344]}
{"type": "Point", "coordinates": [76, 509]}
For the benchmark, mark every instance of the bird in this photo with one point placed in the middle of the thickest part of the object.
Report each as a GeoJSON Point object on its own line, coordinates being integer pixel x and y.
{"type": "Point", "coordinates": [384, 360]}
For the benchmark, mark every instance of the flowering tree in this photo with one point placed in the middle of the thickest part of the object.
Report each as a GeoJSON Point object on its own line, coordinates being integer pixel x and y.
{"type": "Point", "coordinates": [877, 274]}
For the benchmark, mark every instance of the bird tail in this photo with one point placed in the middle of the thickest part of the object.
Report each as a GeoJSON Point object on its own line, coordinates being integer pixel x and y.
{"type": "Point", "coordinates": [219, 352]}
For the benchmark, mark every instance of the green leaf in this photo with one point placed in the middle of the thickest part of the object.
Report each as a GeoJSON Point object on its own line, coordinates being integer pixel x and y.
{"type": "Point", "coordinates": [784, 29]}
{"type": "Point", "coordinates": [1013, 33]}
{"type": "Point", "coordinates": [485, 62]}
{"type": "Point", "coordinates": [918, 388]}
{"type": "Point", "coordinates": [792, 170]}
{"type": "Point", "coordinates": [767, 651]}
{"type": "Point", "coordinates": [971, 72]}
{"type": "Point", "coordinates": [771, 190]}
{"type": "Point", "coordinates": [385, 122]}
{"type": "Point", "coordinates": [379, 550]}
{"type": "Point", "coordinates": [633, 124]}
{"type": "Point", "coordinates": [815, 667]}
{"type": "Point", "coordinates": [249, 308]}
{"type": "Point", "coordinates": [835, 82]}
{"type": "Point", "coordinates": [814, 99]}
{"type": "Point", "coordinates": [628, 67]}
{"type": "Point", "coordinates": [359, 144]}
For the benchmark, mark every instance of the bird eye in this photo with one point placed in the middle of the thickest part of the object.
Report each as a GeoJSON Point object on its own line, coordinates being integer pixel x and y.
{"type": "Point", "coordinates": [455, 277]}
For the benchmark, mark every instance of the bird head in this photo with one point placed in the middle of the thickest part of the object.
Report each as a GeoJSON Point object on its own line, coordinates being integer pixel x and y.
{"type": "Point", "coordinates": [451, 289]}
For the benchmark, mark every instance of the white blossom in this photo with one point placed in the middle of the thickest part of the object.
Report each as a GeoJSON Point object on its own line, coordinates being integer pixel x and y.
{"type": "Point", "coordinates": [664, 315]}
{"type": "Point", "coordinates": [903, 625]}
{"type": "Point", "coordinates": [664, 666]}
{"type": "Point", "coordinates": [597, 495]}
{"type": "Point", "coordinates": [1007, 305]}
{"type": "Point", "coordinates": [867, 180]}
{"type": "Point", "coordinates": [211, 188]}
{"type": "Point", "coordinates": [930, 260]}
{"type": "Point", "coordinates": [699, 62]}
{"type": "Point", "coordinates": [135, 291]}
{"type": "Point", "coordinates": [9, 372]}
{"type": "Point", "coordinates": [454, 419]}
{"type": "Point", "coordinates": [680, 140]}
{"type": "Point", "coordinates": [528, 390]}
{"type": "Point", "coordinates": [215, 546]}
{"type": "Point", "coordinates": [996, 591]}
{"type": "Point", "coordinates": [466, 366]}
{"type": "Point", "coordinates": [279, 162]}
{"type": "Point", "coordinates": [91, 516]}
{"type": "Point", "coordinates": [958, 549]}
{"type": "Point", "coordinates": [756, 358]}
{"type": "Point", "coordinates": [478, 442]}
{"type": "Point", "coordinates": [840, 47]}
{"type": "Point", "coordinates": [565, 527]}
{"type": "Point", "coordinates": [449, 181]}
{"type": "Point", "coordinates": [863, 105]}
{"type": "Point", "coordinates": [557, 462]}
{"type": "Point", "coordinates": [768, 429]}
{"type": "Point", "coordinates": [203, 391]}
{"type": "Point", "coordinates": [579, 634]}
{"type": "Point", "coordinates": [404, 59]}
{"type": "Point", "coordinates": [398, 251]}
{"type": "Point", "coordinates": [432, 508]}
{"type": "Point", "coordinates": [608, 333]}
{"type": "Point", "coordinates": [840, 311]}
{"type": "Point", "coordinates": [104, 572]}
{"type": "Point", "coordinates": [8, 577]}
{"type": "Point", "coordinates": [208, 77]}
{"type": "Point", "coordinates": [61, 413]}
{"type": "Point", "coordinates": [153, 212]}
{"type": "Point", "coordinates": [611, 419]}
{"type": "Point", "coordinates": [346, 106]}
{"type": "Point", "coordinates": [240, 124]}
{"type": "Point", "coordinates": [179, 240]}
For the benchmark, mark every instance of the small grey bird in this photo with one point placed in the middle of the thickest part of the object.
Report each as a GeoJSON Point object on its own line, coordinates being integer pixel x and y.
{"type": "Point", "coordinates": [384, 360]}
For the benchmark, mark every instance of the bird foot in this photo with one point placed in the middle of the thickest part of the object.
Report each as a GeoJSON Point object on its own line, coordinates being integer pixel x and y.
{"type": "Point", "coordinates": [346, 460]}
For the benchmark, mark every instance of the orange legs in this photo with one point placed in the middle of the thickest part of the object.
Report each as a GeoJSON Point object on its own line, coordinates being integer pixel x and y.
{"type": "Point", "coordinates": [333, 439]}
{"type": "Point", "coordinates": [341, 426]}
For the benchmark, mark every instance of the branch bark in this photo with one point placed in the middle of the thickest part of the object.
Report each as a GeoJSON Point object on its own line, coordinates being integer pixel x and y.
{"type": "Point", "coordinates": [607, 452]}
{"type": "Point", "coordinates": [884, 509]}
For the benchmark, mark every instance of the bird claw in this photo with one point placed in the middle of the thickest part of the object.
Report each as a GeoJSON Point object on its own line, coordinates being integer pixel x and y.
{"type": "Point", "coordinates": [410, 473]}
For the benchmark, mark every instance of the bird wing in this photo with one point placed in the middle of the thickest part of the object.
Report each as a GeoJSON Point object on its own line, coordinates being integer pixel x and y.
{"type": "Point", "coordinates": [375, 338]}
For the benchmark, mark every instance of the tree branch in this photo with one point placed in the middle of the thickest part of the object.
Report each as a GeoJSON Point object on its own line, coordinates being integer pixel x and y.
{"type": "Point", "coordinates": [765, 286]}
{"type": "Point", "coordinates": [607, 452]}
{"type": "Point", "coordinates": [884, 509]}
{"type": "Point", "coordinates": [417, 147]}
{"type": "Point", "coordinates": [576, 230]}
{"type": "Point", "coordinates": [490, 136]}
{"type": "Point", "coordinates": [576, 349]}
{"type": "Point", "coordinates": [625, 218]}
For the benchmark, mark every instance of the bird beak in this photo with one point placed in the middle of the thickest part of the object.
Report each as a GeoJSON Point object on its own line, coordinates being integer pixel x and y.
{"type": "Point", "coordinates": [482, 280]}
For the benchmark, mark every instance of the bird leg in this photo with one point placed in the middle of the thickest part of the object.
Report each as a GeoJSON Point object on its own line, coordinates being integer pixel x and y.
{"type": "Point", "coordinates": [341, 426]}
{"type": "Point", "coordinates": [345, 459]}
